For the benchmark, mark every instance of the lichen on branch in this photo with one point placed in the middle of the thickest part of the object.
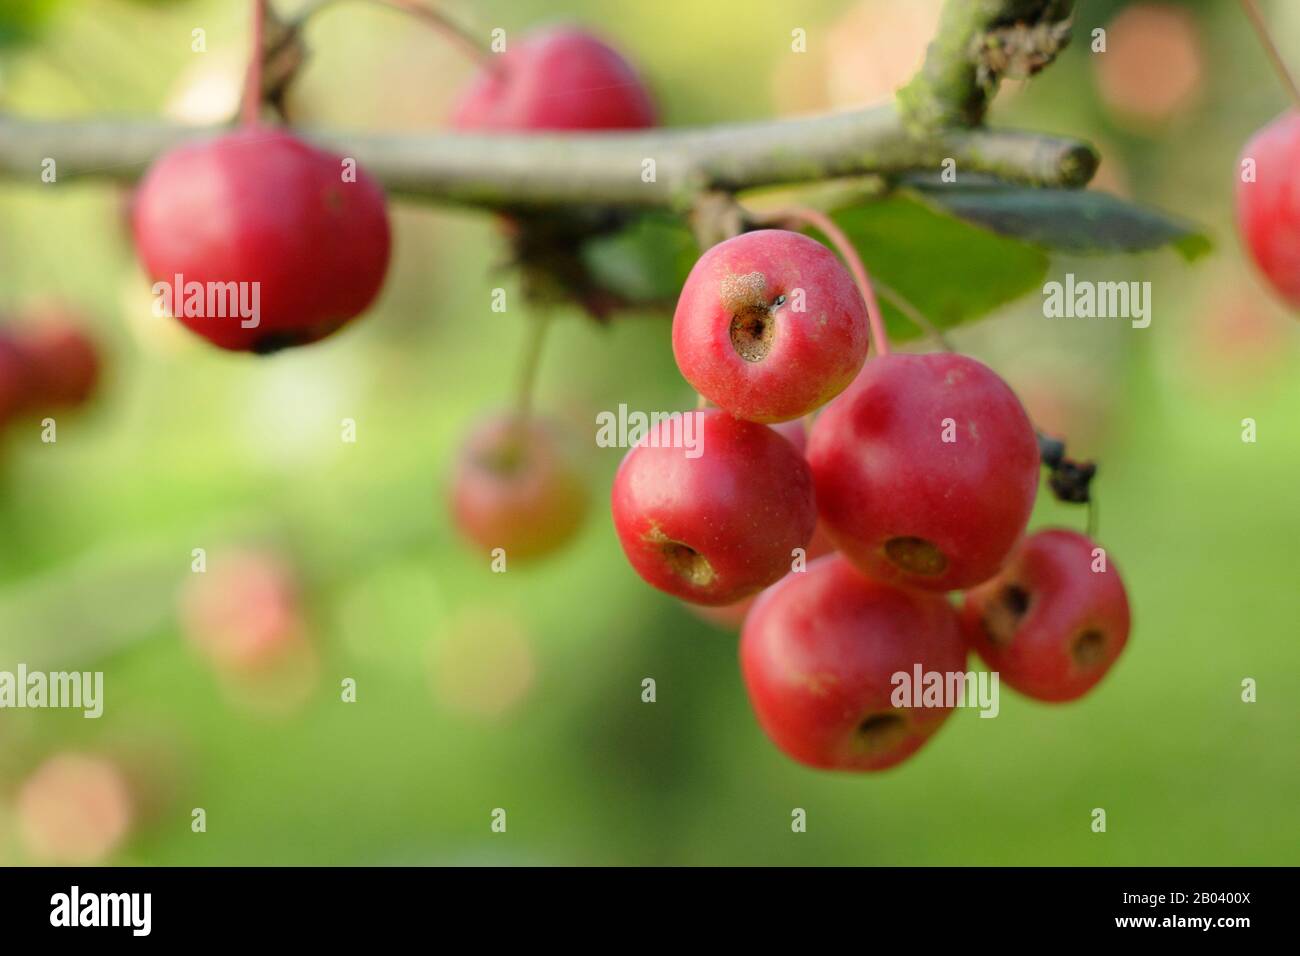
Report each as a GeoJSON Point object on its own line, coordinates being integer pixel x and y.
{"type": "Point", "coordinates": [979, 42]}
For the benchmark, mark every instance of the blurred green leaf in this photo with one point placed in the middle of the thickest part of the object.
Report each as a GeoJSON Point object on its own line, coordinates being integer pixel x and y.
{"type": "Point", "coordinates": [644, 264]}
{"type": "Point", "coordinates": [1067, 220]}
{"type": "Point", "coordinates": [21, 19]}
{"type": "Point", "coordinates": [950, 270]}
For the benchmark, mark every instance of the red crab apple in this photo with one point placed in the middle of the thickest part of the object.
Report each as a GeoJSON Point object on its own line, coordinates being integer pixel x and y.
{"type": "Point", "coordinates": [730, 617]}
{"type": "Point", "coordinates": [1268, 206]}
{"type": "Point", "coordinates": [559, 78]}
{"type": "Point", "coordinates": [795, 432]}
{"type": "Point", "coordinates": [819, 652]}
{"type": "Point", "coordinates": [15, 378]}
{"type": "Point", "coordinates": [1054, 620]}
{"type": "Point", "coordinates": [515, 487]}
{"type": "Point", "coordinates": [727, 617]}
{"type": "Point", "coordinates": [247, 616]}
{"type": "Point", "coordinates": [63, 361]}
{"type": "Point", "coordinates": [926, 470]}
{"type": "Point", "coordinates": [245, 613]}
{"type": "Point", "coordinates": [1153, 68]}
{"type": "Point", "coordinates": [718, 523]}
{"type": "Point", "coordinates": [74, 809]}
{"type": "Point", "coordinates": [769, 326]}
{"type": "Point", "coordinates": [302, 233]}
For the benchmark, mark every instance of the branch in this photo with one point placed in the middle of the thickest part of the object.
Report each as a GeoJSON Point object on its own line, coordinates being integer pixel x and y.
{"type": "Point", "coordinates": [978, 42]}
{"type": "Point", "coordinates": [507, 171]}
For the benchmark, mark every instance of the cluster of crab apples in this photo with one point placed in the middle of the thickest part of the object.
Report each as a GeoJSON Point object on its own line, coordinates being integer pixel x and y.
{"type": "Point", "coordinates": [917, 479]}
{"type": "Point", "coordinates": [842, 501]}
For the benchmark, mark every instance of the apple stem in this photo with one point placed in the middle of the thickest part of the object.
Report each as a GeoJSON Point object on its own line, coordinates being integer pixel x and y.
{"type": "Point", "coordinates": [913, 314]}
{"type": "Point", "coordinates": [458, 33]}
{"type": "Point", "coordinates": [448, 27]}
{"type": "Point", "coordinates": [1275, 57]}
{"type": "Point", "coordinates": [825, 225]}
{"type": "Point", "coordinates": [253, 80]}
{"type": "Point", "coordinates": [532, 360]}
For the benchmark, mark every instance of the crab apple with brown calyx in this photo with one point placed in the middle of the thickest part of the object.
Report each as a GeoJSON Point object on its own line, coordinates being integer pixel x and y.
{"type": "Point", "coordinates": [926, 470]}
{"type": "Point", "coordinates": [1054, 620]}
{"type": "Point", "coordinates": [281, 243]}
{"type": "Point", "coordinates": [1268, 204]}
{"type": "Point", "coordinates": [730, 617]}
{"type": "Point", "coordinates": [770, 326]}
{"type": "Point", "coordinates": [517, 488]}
{"type": "Point", "coordinates": [718, 524]}
{"type": "Point", "coordinates": [557, 78]}
{"type": "Point", "coordinates": [819, 653]}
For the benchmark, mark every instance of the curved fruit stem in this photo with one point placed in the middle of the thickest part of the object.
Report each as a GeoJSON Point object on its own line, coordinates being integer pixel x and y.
{"type": "Point", "coordinates": [825, 225]}
{"type": "Point", "coordinates": [456, 32]}
{"type": "Point", "coordinates": [534, 341]}
{"type": "Point", "coordinates": [448, 27]}
{"type": "Point", "coordinates": [1270, 48]}
{"type": "Point", "coordinates": [253, 80]}
{"type": "Point", "coordinates": [913, 314]}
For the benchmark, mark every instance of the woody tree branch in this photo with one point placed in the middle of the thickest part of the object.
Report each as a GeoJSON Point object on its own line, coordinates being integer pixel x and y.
{"type": "Point", "coordinates": [548, 170]}
{"type": "Point", "coordinates": [937, 118]}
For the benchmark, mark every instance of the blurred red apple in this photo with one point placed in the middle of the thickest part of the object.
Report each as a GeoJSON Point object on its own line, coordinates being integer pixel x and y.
{"type": "Point", "coordinates": [74, 809]}
{"type": "Point", "coordinates": [1153, 67]}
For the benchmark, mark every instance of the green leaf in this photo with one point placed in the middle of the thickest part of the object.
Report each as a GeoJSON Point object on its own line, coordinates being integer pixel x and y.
{"type": "Point", "coordinates": [645, 263]}
{"type": "Point", "coordinates": [1067, 220]}
{"type": "Point", "coordinates": [951, 271]}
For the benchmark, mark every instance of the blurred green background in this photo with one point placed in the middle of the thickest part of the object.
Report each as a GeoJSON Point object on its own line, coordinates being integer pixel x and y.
{"type": "Point", "coordinates": [522, 690]}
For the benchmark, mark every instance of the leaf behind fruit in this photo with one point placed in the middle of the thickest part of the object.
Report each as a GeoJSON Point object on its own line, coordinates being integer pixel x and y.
{"type": "Point", "coordinates": [952, 271]}
{"type": "Point", "coordinates": [1065, 220]}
